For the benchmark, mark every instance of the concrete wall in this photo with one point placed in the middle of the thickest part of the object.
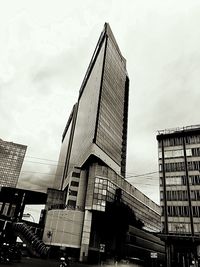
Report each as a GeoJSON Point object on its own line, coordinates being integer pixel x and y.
{"type": "Point", "coordinates": [65, 228]}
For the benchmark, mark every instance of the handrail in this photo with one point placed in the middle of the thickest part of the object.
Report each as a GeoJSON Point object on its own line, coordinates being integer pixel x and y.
{"type": "Point", "coordinates": [36, 245]}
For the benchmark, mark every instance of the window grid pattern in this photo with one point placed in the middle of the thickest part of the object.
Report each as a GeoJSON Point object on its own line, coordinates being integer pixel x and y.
{"type": "Point", "coordinates": [177, 141]}
{"type": "Point", "coordinates": [87, 114]}
{"type": "Point", "coordinates": [176, 183]}
{"type": "Point", "coordinates": [11, 160]}
{"type": "Point", "coordinates": [111, 114]}
{"type": "Point", "coordinates": [105, 190]}
{"type": "Point", "coordinates": [180, 166]}
{"type": "Point", "coordinates": [180, 180]}
{"type": "Point", "coordinates": [100, 194]}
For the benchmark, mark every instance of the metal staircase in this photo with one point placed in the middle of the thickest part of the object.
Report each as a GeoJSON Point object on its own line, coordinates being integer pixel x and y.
{"type": "Point", "coordinates": [34, 244]}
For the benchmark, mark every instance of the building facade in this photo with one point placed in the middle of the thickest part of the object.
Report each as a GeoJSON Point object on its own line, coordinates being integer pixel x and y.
{"type": "Point", "coordinates": [98, 122]}
{"type": "Point", "coordinates": [179, 166]}
{"type": "Point", "coordinates": [11, 160]}
{"type": "Point", "coordinates": [88, 218]}
{"type": "Point", "coordinates": [92, 165]}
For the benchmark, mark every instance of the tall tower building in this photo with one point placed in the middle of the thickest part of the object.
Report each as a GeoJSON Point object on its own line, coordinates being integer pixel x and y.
{"type": "Point", "coordinates": [11, 160]}
{"type": "Point", "coordinates": [92, 163]}
{"type": "Point", "coordinates": [98, 123]}
{"type": "Point", "coordinates": [179, 166]}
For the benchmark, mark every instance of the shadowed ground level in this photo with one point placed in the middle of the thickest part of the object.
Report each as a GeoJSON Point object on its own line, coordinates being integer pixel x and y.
{"type": "Point", "coordinates": [35, 262]}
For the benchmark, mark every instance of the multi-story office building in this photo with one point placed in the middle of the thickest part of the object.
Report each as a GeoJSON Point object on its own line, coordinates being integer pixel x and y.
{"type": "Point", "coordinates": [98, 122]}
{"type": "Point", "coordinates": [11, 160]}
{"type": "Point", "coordinates": [92, 166]}
{"type": "Point", "coordinates": [179, 168]}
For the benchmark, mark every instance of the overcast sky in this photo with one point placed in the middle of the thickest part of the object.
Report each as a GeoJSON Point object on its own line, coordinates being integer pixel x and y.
{"type": "Point", "coordinates": [45, 49]}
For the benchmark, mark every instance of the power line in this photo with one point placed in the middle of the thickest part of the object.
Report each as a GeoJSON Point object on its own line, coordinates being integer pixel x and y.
{"type": "Point", "coordinates": [39, 173]}
{"type": "Point", "coordinates": [53, 174]}
{"type": "Point", "coordinates": [134, 174]}
{"type": "Point", "coordinates": [43, 159]}
{"type": "Point", "coordinates": [133, 183]}
{"type": "Point", "coordinates": [144, 183]}
{"type": "Point", "coordinates": [43, 163]}
{"type": "Point", "coordinates": [152, 172]}
{"type": "Point", "coordinates": [142, 178]}
{"type": "Point", "coordinates": [144, 174]}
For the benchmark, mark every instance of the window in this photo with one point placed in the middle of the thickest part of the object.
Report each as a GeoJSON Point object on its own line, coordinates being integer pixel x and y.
{"type": "Point", "coordinates": [5, 210]}
{"type": "Point", "coordinates": [194, 179]}
{"type": "Point", "coordinates": [174, 166]}
{"type": "Point", "coordinates": [76, 174]}
{"type": "Point", "coordinates": [196, 152]}
{"type": "Point", "coordinates": [180, 195]}
{"type": "Point", "coordinates": [195, 139]}
{"type": "Point", "coordinates": [74, 183]}
{"type": "Point", "coordinates": [195, 211]}
{"type": "Point", "coordinates": [12, 211]}
{"type": "Point", "coordinates": [161, 195]}
{"type": "Point", "coordinates": [177, 141]}
{"type": "Point", "coordinates": [160, 167]}
{"type": "Point", "coordinates": [73, 193]}
{"type": "Point", "coordinates": [176, 211]}
{"type": "Point", "coordinates": [71, 203]}
{"type": "Point", "coordinates": [176, 180]}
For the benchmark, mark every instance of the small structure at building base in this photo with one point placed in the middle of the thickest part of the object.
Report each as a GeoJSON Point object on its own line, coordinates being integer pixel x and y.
{"type": "Point", "coordinates": [12, 225]}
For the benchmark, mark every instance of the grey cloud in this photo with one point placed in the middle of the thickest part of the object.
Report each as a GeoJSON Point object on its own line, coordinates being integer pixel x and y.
{"type": "Point", "coordinates": [178, 103]}
{"type": "Point", "coordinates": [62, 67]}
{"type": "Point", "coordinates": [32, 179]}
{"type": "Point", "coordinates": [160, 44]}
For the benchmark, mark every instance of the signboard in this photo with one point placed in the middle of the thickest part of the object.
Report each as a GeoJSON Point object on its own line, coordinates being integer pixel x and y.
{"type": "Point", "coordinates": [102, 248]}
{"type": "Point", "coordinates": [154, 255]}
{"type": "Point", "coordinates": [49, 234]}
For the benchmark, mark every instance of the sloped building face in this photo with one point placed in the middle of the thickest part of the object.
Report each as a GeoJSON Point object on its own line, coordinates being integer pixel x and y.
{"type": "Point", "coordinates": [94, 155]}
{"type": "Point", "coordinates": [98, 123]}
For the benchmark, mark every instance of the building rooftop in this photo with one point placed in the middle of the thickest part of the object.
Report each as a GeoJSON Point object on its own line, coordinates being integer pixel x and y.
{"type": "Point", "coordinates": [12, 143]}
{"type": "Point", "coordinates": [179, 129]}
